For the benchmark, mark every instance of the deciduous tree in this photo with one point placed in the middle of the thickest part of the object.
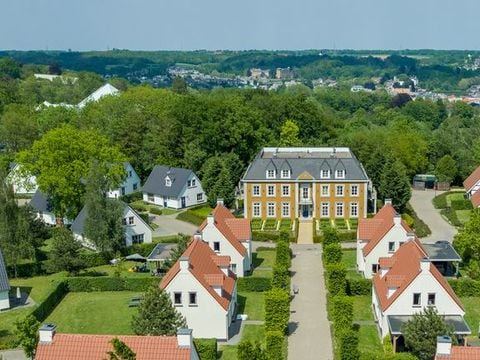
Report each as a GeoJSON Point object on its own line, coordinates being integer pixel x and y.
{"type": "Point", "coordinates": [65, 253]}
{"type": "Point", "coordinates": [27, 333]}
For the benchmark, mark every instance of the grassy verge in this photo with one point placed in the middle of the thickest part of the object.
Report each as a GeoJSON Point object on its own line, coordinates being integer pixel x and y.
{"type": "Point", "coordinates": [195, 215]}
{"type": "Point", "coordinates": [421, 229]}
{"type": "Point", "coordinates": [472, 313]}
{"type": "Point", "coordinates": [362, 308]}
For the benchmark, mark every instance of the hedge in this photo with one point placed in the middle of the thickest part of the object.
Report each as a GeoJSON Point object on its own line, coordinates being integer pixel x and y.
{"type": "Point", "coordinates": [330, 235]}
{"type": "Point", "coordinates": [451, 215]}
{"type": "Point", "coordinates": [359, 287]}
{"type": "Point", "coordinates": [264, 236]}
{"type": "Point", "coordinates": [190, 217]}
{"type": "Point", "coordinates": [139, 207]}
{"type": "Point", "coordinates": [206, 348]}
{"type": "Point", "coordinates": [277, 310]}
{"type": "Point", "coordinates": [130, 198]}
{"type": "Point", "coordinates": [283, 256]}
{"type": "Point", "coordinates": [274, 345]}
{"type": "Point", "coordinates": [347, 236]}
{"type": "Point", "coordinates": [26, 270]}
{"type": "Point", "coordinates": [155, 210]}
{"type": "Point", "coordinates": [380, 355]}
{"type": "Point", "coordinates": [336, 279]}
{"type": "Point", "coordinates": [45, 308]}
{"type": "Point", "coordinates": [332, 254]}
{"type": "Point", "coordinates": [109, 283]}
{"type": "Point", "coordinates": [281, 277]}
{"type": "Point", "coordinates": [465, 287]}
{"type": "Point", "coordinates": [461, 205]}
{"type": "Point", "coordinates": [92, 259]}
{"type": "Point", "coordinates": [254, 284]}
{"type": "Point", "coordinates": [342, 312]}
{"type": "Point", "coordinates": [440, 201]}
{"type": "Point", "coordinates": [348, 341]}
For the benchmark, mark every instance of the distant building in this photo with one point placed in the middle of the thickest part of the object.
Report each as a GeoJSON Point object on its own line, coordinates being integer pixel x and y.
{"type": "Point", "coordinates": [174, 188]}
{"type": "Point", "coordinates": [259, 73]}
{"type": "Point", "coordinates": [472, 185]}
{"type": "Point", "coordinates": [284, 73]}
{"type": "Point", "coordinates": [4, 285]}
{"type": "Point", "coordinates": [64, 79]}
{"type": "Point", "coordinates": [43, 209]}
{"type": "Point", "coordinates": [54, 346]}
{"type": "Point", "coordinates": [105, 90]}
{"type": "Point", "coordinates": [130, 184]}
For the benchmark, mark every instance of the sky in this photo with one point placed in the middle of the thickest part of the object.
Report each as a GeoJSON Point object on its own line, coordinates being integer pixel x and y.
{"type": "Point", "coordinates": [83, 25]}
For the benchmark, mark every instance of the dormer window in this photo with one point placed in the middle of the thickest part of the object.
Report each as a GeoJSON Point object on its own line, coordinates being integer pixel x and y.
{"type": "Point", "coordinates": [168, 181]}
{"type": "Point", "coordinates": [340, 174]}
{"type": "Point", "coordinates": [271, 174]}
{"type": "Point", "coordinates": [325, 174]}
{"type": "Point", "coordinates": [286, 174]}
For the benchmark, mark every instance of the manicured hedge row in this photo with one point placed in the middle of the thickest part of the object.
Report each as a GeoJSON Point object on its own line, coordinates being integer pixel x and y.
{"type": "Point", "coordinates": [206, 348]}
{"type": "Point", "coordinates": [104, 283]}
{"type": "Point", "coordinates": [348, 341]}
{"type": "Point", "coordinates": [281, 277]}
{"type": "Point", "coordinates": [274, 345]}
{"type": "Point", "coordinates": [271, 236]}
{"type": "Point", "coordinates": [26, 270]}
{"type": "Point", "coordinates": [277, 310]}
{"type": "Point", "coordinates": [461, 204]}
{"type": "Point", "coordinates": [92, 259]}
{"type": "Point", "coordinates": [45, 308]}
{"type": "Point", "coordinates": [255, 284]}
{"type": "Point", "coordinates": [465, 287]}
{"type": "Point", "coordinates": [359, 287]}
{"type": "Point", "coordinates": [342, 312]}
{"type": "Point", "coordinates": [336, 279]}
{"type": "Point", "coordinates": [332, 254]}
{"type": "Point", "coordinates": [190, 217]}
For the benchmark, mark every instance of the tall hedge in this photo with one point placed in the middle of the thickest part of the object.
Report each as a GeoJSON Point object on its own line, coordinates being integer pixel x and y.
{"type": "Point", "coordinates": [359, 287]}
{"type": "Point", "coordinates": [332, 254]}
{"type": "Point", "coordinates": [342, 312]}
{"type": "Point", "coordinates": [254, 283]}
{"type": "Point", "coordinates": [277, 310]}
{"type": "Point", "coordinates": [348, 344]}
{"type": "Point", "coordinates": [274, 345]}
{"type": "Point", "coordinates": [283, 254]}
{"type": "Point", "coordinates": [108, 283]}
{"type": "Point", "coordinates": [45, 308]}
{"type": "Point", "coordinates": [206, 348]}
{"type": "Point", "coordinates": [330, 235]}
{"type": "Point", "coordinates": [281, 277]}
{"type": "Point", "coordinates": [336, 279]}
{"type": "Point", "coordinates": [465, 287]}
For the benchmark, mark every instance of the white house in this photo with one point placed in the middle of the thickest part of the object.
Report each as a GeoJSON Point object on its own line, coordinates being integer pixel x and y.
{"type": "Point", "coordinates": [104, 90]}
{"type": "Point", "coordinates": [228, 235]}
{"type": "Point", "coordinates": [43, 209]}
{"type": "Point", "coordinates": [4, 285]}
{"type": "Point", "coordinates": [472, 183]}
{"type": "Point", "coordinates": [407, 283]}
{"type": "Point", "coordinates": [379, 237]}
{"type": "Point", "coordinates": [130, 184]}
{"type": "Point", "coordinates": [93, 347]}
{"type": "Point", "coordinates": [174, 188]}
{"type": "Point", "coordinates": [445, 350]}
{"type": "Point", "coordinates": [23, 184]}
{"type": "Point", "coordinates": [137, 231]}
{"type": "Point", "coordinates": [204, 290]}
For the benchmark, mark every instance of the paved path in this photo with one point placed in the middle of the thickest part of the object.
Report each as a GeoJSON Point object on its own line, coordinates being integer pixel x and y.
{"type": "Point", "coordinates": [305, 232]}
{"type": "Point", "coordinates": [169, 225]}
{"type": "Point", "coordinates": [309, 327]}
{"type": "Point", "coordinates": [16, 354]}
{"type": "Point", "coordinates": [421, 202]}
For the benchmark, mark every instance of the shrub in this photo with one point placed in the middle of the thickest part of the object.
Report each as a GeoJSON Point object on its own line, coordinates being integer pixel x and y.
{"type": "Point", "coordinates": [139, 207]}
{"type": "Point", "coordinates": [143, 249]}
{"type": "Point", "coordinates": [348, 344]}
{"type": "Point", "coordinates": [332, 254]}
{"type": "Point", "coordinates": [274, 345]}
{"type": "Point", "coordinates": [270, 224]}
{"type": "Point", "coordinates": [342, 312]}
{"type": "Point", "coordinates": [359, 287]}
{"type": "Point", "coordinates": [283, 254]}
{"type": "Point", "coordinates": [281, 277]}
{"type": "Point", "coordinates": [465, 287]}
{"type": "Point", "coordinates": [387, 345]}
{"type": "Point", "coordinates": [190, 217]}
{"type": "Point", "coordinates": [277, 310]}
{"type": "Point", "coordinates": [255, 284]}
{"type": "Point", "coordinates": [347, 236]}
{"type": "Point", "coordinates": [330, 235]}
{"type": "Point", "coordinates": [90, 284]}
{"type": "Point", "coordinates": [336, 279]}
{"type": "Point", "coordinates": [206, 348]}
{"type": "Point", "coordinates": [247, 350]}
{"type": "Point", "coordinates": [26, 269]}
{"type": "Point", "coordinates": [461, 205]}
{"type": "Point", "coordinates": [92, 259]}
{"type": "Point", "coordinates": [257, 224]}
{"type": "Point", "coordinates": [130, 198]}
{"type": "Point", "coordinates": [261, 236]}
{"type": "Point", "coordinates": [155, 210]}
{"type": "Point", "coordinates": [440, 201]}
{"type": "Point", "coordinates": [45, 308]}
{"type": "Point", "coordinates": [408, 219]}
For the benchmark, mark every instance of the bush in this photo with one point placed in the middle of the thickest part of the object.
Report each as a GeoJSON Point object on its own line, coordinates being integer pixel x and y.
{"type": "Point", "coordinates": [45, 308]}
{"type": "Point", "coordinates": [387, 345]}
{"type": "Point", "coordinates": [347, 236]}
{"type": "Point", "coordinates": [26, 270]}
{"type": "Point", "coordinates": [190, 217]}
{"type": "Point", "coordinates": [281, 277]}
{"type": "Point", "coordinates": [342, 313]}
{"type": "Point", "coordinates": [283, 254]}
{"type": "Point", "coordinates": [139, 207]}
{"type": "Point", "coordinates": [332, 254]}
{"type": "Point", "coordinates": [277, 310]}
{"type": "Point", "coordinates": [155, 210]}
{"type": "Point", "coordinates": [247, 350]}
{"type": "Point", "coordinates": [130, 198]}
{"type": "Point", "coordinates": [461, 205]}
{"type": "Point", "coordinates": [348, 344]}
{"type": "Point", "coordinates": [465, 287]}
{"type": "Point", "coordinates": [254, 284]}
{"type": "Point", "coordinates": [440, 201]}
{"type": "Point", "coordinates": [330, 235]}
{"type": "Point", "coordinates": [274, 345]}
{"type": "Point", "coordinates": [143, 249]}
{"type": "Point", "coordinates": [359, 287]}
{"type": "Point", "coordinates": [92, 259]}
{"type": "Point", "coordinates": [336, 279]}
{"type": "Point", "coordinates": [206, 348]}
{"type": "Point", "coordinates": [270, 225]}
{"type": "Point", "coordinates": [408, 219]}
{"type": "Point", "coordinates": [89, 284]}
{"type": "Point", "coordinates": [261, 236]}
{"type": "Point", "coordinates": [257, 224]}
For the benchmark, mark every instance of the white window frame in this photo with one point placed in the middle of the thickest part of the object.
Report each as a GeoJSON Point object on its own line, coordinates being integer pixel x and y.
{"type": "Point", "coordinates": [303, 192]}
{"type": "Point", "coordinates": [434, 299]}
{"type": "Point", "coordinates": [168, 181]}
{"type": "Point", "coordinates": [325, 205]}
{"type": "Point", "coordinates": [256, 206]}
{"type": "Point", "coordinates": [340, 174]}
{"type": "Point", "coordinates": [273, 176]}
{"type": "Point", "coordinates": [391, 249]}
{"type": "Point", "coordinates": [131, 220]}
{"type": "Point", "coordinates": [339, 205]}
{"type": "Point", "coordinates": [354, 186]}
{"type": "Point", "coordinates": [286, 206]}
{"type": "Point", "coordinates": [419, 300]}
{"type": "Point", "coordinates": [200, 197]}
{"type": "Point", "coordinates": [285, 174]}
{"type": "Point", "coordinates": [270, 187]}
{"type": "Point", "coordinates": [325, 193]}
{"type": "Point", "coordinates": [352, 206]}
{"type": "Point", "coordinates": [339, 187]}
{"type": "Point", "coordinates": [287, 193]}
{"type": "Point", "coordinates": [322, 176]}
{"type": "Point", "coordinates": [138, 238]}
{"type": "Point", "coordinates": [270, 206]}
{"type": "Point", "coordinates": [253, 190]}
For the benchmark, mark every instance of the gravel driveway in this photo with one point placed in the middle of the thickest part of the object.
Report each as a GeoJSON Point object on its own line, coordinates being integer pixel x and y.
{"type": "Point", "coordinates": [169, 225]}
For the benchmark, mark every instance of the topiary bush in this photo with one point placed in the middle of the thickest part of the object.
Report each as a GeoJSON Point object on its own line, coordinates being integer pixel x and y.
{"type": "Point", "coordinates": [342, 312]}
{"type": "Point", "coordinates": [336, 279]}
{"type": "Point", "coordinates": [277, 310]}
{"type": "Point", "coordinates": [332, 254]}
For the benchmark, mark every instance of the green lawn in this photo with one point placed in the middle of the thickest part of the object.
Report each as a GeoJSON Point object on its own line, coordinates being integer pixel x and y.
{"type": "Point", "coordinates": [472, 313]}
{"type": "Point", "coordinates": [368, 339]}
{"type": "Point", "coordinates": [265, 258]}
{"type": "Point", "coordinates": [7, 326]}
{"type": "Point", "coordinates": [202, 212]}
{"type": "Point", "coordinates": [455, 196]}
{"type": "Point", "coordinates": [94, 313]}
{"type": "Point", "coordinates": [349, 258]}
{"type": "Point", "coordinates": [463, 215]}
{"type": "Point", "coordinates": [167, 211]}
{"type": "Point", "coordinates": [228, 352]}
{"type": "Point", "coordinates": [123, 266]}
{"type": "Point", "coordinates": [252, 304]}
{"type": "Point", "coordinates": [253, 333]}
{"type": "Point", "coordinates": [262, 273]}
{"type": "Point", "coordinates": [362, 308]}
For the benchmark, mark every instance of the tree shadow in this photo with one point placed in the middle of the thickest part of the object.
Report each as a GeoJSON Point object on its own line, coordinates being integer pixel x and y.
{"type": "Point", "coordinates": [292, 327]}
{"type": "Point", "coordinates": [241, 300]}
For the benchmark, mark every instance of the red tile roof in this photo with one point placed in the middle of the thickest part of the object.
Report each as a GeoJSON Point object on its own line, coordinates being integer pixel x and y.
{"type": "Point", "coordinates": [203, 267]}
{"type": "Point", "coordinates": [405, 268]}
{"type": "Point", "coordinates": [221, 260]}
{"type": "Point", "coordinates": [476, 199]}
{"type": "Point", "coordinates": [461, 353]}
{"type": "Point", "coordinates": [235, 230]}
{"type": "Point", "coordinates": [472, 179]}
{"type": "Point", "coordinates": [95, 347]}
{"type": "Point", "coordinates": [386, 262]}
{"type": "Point", "coordinates": [373, 230]}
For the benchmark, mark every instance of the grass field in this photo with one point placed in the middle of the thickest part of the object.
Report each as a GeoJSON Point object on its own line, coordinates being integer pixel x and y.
{"type": "Point", "coordinates": [94, 313]}
{"type": "Point", "coordinates": [252, 304]}
{"type": "Point", "coordinates": [472, 313]}
{"type": "Point", "coordinates": [463, 215]}
{"type": "Point", "coordinates": [202, 212]}
{"type": "Point", "coordinates": [349, 258]}
{"type": "Point", "coordinates": [454, 196]}
{"type": "Point", "coordinates": [362, 308]}
{"type": "Point", "coordinates": [263, 258]}
{"type": "Point", "coordinates": [368, 339]}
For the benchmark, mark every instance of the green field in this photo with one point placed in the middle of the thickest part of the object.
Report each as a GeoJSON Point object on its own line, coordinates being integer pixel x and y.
{"type": "Point", "coordinates": [349, 258]}
{"type": "Point", "coordinates": [265, 258]}
{"type": "Point", "coordinates": [104, 312]}
{"type": "Point", "coordinates": [368, 339]}
{"type": "Point", "coordinates": [252, 304]}
{"type": "Point", "coordinates": [362, 308]}
{"type": "Point", "coordinates": [472, 313]}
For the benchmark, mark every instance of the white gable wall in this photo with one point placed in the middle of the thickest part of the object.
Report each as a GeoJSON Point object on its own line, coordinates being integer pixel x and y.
{"type": "Point", "coordinates": [396, 234]}
{"type": "Point", "coordinates": [128, 184]}
{"type": "Point", "coordinates": [4, 300]}
{"type": "Point", "coordinates": [474, 189]}
{"type": "Point", "coordinates": [208, 319]}
{"type": "Point", "coordinates": [138, 227]}
{"type": "Point", "coordinates": [47, 217]}
{"type": "Point", "coordinates": [211, 234]}
{"type": "Point", "coordinates": [190, 193]}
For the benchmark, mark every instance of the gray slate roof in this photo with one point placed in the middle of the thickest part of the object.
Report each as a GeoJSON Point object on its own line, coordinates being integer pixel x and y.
{"type": "Point", "coordinates": [4, 284]}
{"type": "Point", "coordinates": [441, 252]}
{"type": "Point", "coordinates": [395, 323]}
{"type": "Point", "coordinates": [155, 183]}
{"type": "Point", "coordinates": [162, 251]}
{"type": "Point", "coordinates": [302, 160]}
{"type": "Point", "coordinates": [40, 202]}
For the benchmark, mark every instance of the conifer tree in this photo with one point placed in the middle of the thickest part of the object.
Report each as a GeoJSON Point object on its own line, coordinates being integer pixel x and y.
{"type": "Point", "coordinates": [394, 184]}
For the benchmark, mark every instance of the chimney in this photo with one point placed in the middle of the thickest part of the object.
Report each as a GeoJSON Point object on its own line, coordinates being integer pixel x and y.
{"type": "Point", "coordinates": [387, 202]}
{"type": "Point", "coordinates": [397, 219]}
{"type": "Point", "coordinates": [210, 219]}
{"type": "Point", "coordinates": [444, 345]}
{"type": "Point", "coordinates": [220, 201]}
{"type": "Point", "coordinates": [425, 264]}
{"type": "Point", "coordinates": [184, 338]}
{"type": "Point", "coordinates": [410, 236]}
{"type": "Point", "coordinates": [198, 235]}
{"type": "Point", "coordinates": [47, 332]}
{"type": "Point", "coordinates": [184, 263]}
